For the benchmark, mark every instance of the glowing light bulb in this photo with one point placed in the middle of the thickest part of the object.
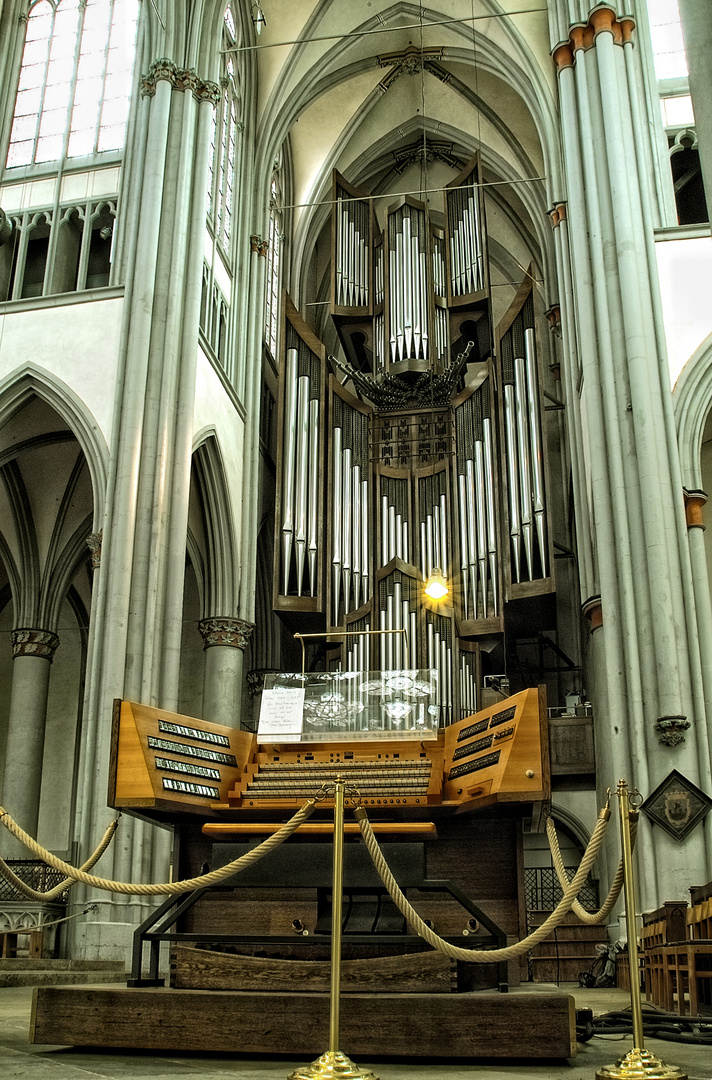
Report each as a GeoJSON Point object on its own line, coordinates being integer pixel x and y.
{"type": "Point", "coordinates": [436, 586]}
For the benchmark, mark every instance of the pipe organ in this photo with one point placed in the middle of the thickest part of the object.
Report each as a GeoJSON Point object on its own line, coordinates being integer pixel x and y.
{"type": "Point", "coordinates": [423, 450]}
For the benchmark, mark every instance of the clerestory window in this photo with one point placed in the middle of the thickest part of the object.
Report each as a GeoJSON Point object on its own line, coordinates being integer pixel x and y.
{"type": "Point", "coordinates": [75, 80]}
{"type": "Point", "coordinates": [274, 261]}
{"type": "Point", "coordinates": [226, 128]}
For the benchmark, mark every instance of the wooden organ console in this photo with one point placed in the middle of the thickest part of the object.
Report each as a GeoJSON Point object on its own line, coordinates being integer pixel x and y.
{"type": "Point", "coordinates": [165, 765]}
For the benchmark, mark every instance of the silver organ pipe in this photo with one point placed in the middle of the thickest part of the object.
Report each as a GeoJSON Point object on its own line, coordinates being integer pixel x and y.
{"type": "Point", "coordinates": [510, 424]}
{"type": "Point", "coordinates": [462, 515]}
{"type": "Point", "coordinates": [385, 557]}
{"type": "Point", "coordinates": [365, 526]}
{"type": "Point", "coordinates": [523, 450]}
{"type": "Point", "coordinates": [466, 252]}
{"type": "Point", "coordinates": [444, 552]}
{"type": "Point", "coordinates": [423, 551]}
{"type": "Point", "coordinates": [536, 447]}
{"type": "Point", "coordinates": [346, 520]}
{"type": "Point", "coordinates": [352, 250]}
{"type": "Point", "coordinates": [489, 503]}
{"type": "Point", "coordinates": [336, 508]}
{"type": "Point", "coordinates": [288, 462]}
{"type": "Point", "coordinates": [300, 531]}
{"type": "Point", "coordinates": [409, 332]}
{"type": "Point", "coordinates": [476, 505]}
{"type": "Point", "coordinates": [356, 519]}
{"type": "Point", "coordinates": [313, 544]}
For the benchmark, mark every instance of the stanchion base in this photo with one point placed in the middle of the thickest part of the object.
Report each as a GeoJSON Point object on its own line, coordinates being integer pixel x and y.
{"type": "Point", "coordinates": [333, 1065]}
{"type": "Point", "coordinates": [640, 1065]}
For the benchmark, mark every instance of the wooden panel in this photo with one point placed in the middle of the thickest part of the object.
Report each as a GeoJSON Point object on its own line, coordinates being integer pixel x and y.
{"type": "Point", "coordinates": [523, 1023]}
{"type": "Point", "coordinates": [200, 969]}
{"type": "Point", "coordinates": [571, 741]}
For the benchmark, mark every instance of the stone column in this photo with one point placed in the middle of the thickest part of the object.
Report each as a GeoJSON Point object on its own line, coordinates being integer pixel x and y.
{"type": "Point", "coordinates": [645, 657]}
{"type": "Point", "coordinates": [33, 652]}
{"type": "Point", "coordinates": [225, 641]}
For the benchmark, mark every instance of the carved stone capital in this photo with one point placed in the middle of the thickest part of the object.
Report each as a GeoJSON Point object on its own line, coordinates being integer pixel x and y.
{"type": "Point", "coordinates": [557, 214]}
{"type": "Point", "coordinates": [256, 680]}
{"type": "Point", "coordinates": [258, 245]}
{"type": "Point", "coordinates": [163, 69]}
{"type": "Point", "coordinates": [181, 79]}
{"type": "Point", "coordinates": [94, 545]}
{"type": "Point", "coordinates": [582, 36]}
{"type": "Point", "coordinates": [593, 611]}
{"type": "Point", "coordinates": [26, 642]}
{"type": "Point", "coordinates": [694, 501]}
{"type": "Point", "coordinates": [671, 729]}
{"type": "Point", "coordinates": [235, 633]}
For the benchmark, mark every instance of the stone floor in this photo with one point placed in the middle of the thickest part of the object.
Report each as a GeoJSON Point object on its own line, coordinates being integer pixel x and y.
{"type": "Point", "coordinates": [21, 1060]}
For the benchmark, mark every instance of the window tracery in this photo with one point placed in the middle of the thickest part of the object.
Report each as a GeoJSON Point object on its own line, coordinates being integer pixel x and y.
{"type": "Point", "coordinates": [226, 126]}
{"type": "Point", "coordinates": [75, 80]}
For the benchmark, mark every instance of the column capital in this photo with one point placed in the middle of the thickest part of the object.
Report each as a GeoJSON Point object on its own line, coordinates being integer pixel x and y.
{"type": "Point", "coordinates": [258, 245]}
{"type": "Point", "coordinates": [28, 642]}
{"type": "Point", "coordinates": [592, 609]}
{"type": "Point", "coordinates": [557, 214]}
{"type": "Point", "coordinates": [224, 630]}
{"type": "Point", "coordinates": [694, 501]}
{"type": "Point", "coordinates": [94, 545]}
{"type": "Point", "coordinates": [181, 79]}
{"type": "Point", "coordinates": [582, 36]}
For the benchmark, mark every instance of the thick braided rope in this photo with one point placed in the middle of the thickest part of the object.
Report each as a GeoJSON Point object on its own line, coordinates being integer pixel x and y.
{"type": "Point", "coordinates": [591, 918]}
{"type": "Point", "coordinates": [63, 886]}
{"type": "Point", "coordinates": [489, 956]}
{"type": "Point", "coordinates": [172, 888]}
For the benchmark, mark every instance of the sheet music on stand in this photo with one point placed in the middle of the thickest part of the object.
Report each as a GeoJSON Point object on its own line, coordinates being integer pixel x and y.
{"type": "Point", "coordinates": [330, 706]}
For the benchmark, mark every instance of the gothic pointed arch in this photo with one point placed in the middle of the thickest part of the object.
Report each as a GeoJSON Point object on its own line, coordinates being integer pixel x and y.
{"type": "Point", "coordinates": [31, 380]}
{"type": "Point", "coordinates": [211, 524]}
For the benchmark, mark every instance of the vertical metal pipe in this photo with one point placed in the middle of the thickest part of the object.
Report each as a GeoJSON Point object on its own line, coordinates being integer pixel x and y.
{"type": "Point", "coordinates": [389, 626]}
{"type": "Point", "coordinates": [364, 539]}
{"type": "Point", "coordinates": [346, 535]}
{"type": "Point", "coordinates": [391, 532]}
{"type": "Point", "coordinates": [405, 623]}
{"type": "Point", "coordinates": [288, 461]}
{"type": "Point", "coordinates": [429, 545]}
{"type": "Point", "coordinates": [536, 446]}
{"type": "Point", "coordinates": [336, 519]}
{"type": "Point", "coordinates": [337, 884]}
{"type": "Point", "coordinates": [444, 563]}
{"type": "Point", "coordinates": [399, 536]}
{"type": "Point", "coordinates": [435, 517]}
{"type": "Point", "coordinates": [424, 305]}
{"type": "Point", "coordinates": [397, 639]}
{"type": "Point", "coordinates": [513, 476]}
{"type": "Point", "coordinates": [407, 286]}
{"type": "Point", "coordinates": [404, 543]}
{"type": "Point", "coordinates": [400, 295]}
{"type": "Point", "coordinates": [462, 515]}
{"type": "Point", "coordinates": [384, 530]}
{"type": "Point", "coordinates": [392, 302]}
{"type": "Point", "coordinates": [423, 551]}
{"type": "Point", "coordinates": [481, 524]}
{"type": "Point", "coordinates": [491, 524]}
{"type": "Point", "coordinates": [525, 489]}
{"type": "Point", "coordinates": [413, 642]}
{"type": "Point", "coordinates": [313, 500]}
{"type": "Point", "coordinates": [302, 436]}
{"type": "Point", "coordinates": [472, 532]}
{"type": "Point", "coordinates": [356, 517]}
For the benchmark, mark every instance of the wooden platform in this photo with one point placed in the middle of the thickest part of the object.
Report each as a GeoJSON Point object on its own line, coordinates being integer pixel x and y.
{"type": "Point", "coordinates": [525, 1023]}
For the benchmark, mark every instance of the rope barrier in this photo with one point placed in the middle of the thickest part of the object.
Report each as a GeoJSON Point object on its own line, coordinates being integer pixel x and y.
{"type": "Point", "coordinates": [57, 890]}
{"type": "Point", "coordinates": [489, 956]}
{"type": "Point", "coordinates": [172, 888]}
{"type": "Point", "coordinates": [591, 918]}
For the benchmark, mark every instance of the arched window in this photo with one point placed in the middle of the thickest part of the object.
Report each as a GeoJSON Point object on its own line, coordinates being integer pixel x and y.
{"type": "Point", "coordinates": [274, 260]}
{"type": "Point", "coordinates": [75, 81]}
{"type": "Point", "coordinates": [226, 125]}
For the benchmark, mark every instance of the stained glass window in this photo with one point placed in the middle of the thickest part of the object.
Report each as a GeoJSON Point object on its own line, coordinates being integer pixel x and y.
{"type": "Point", "coordinates": [666, 35]}
{"type": "Point", "coordinates": [274, 258]}
{"type": "Point", "coordinates": [226, 120]}
{"type": "Point", "coordinates": [75, 80]}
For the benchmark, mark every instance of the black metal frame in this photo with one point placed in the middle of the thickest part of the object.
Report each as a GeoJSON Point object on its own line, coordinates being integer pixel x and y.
{"type": "Point", "coordinates": [157, 928]}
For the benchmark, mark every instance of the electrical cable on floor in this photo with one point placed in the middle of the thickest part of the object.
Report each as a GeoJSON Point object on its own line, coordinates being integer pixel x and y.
{"type": "Point", "coordinates": [657, 1024]}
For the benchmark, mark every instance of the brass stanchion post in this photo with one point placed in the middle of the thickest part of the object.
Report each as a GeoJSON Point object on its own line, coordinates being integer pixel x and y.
{"type": "Point", "coordinates": [638, 1062]}
{"type": "Point", "coordinates": [334, 1064]}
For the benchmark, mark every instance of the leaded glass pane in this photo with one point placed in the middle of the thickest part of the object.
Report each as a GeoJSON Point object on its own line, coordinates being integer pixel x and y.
{"type": "Point", "coordinates": [55, 81]}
